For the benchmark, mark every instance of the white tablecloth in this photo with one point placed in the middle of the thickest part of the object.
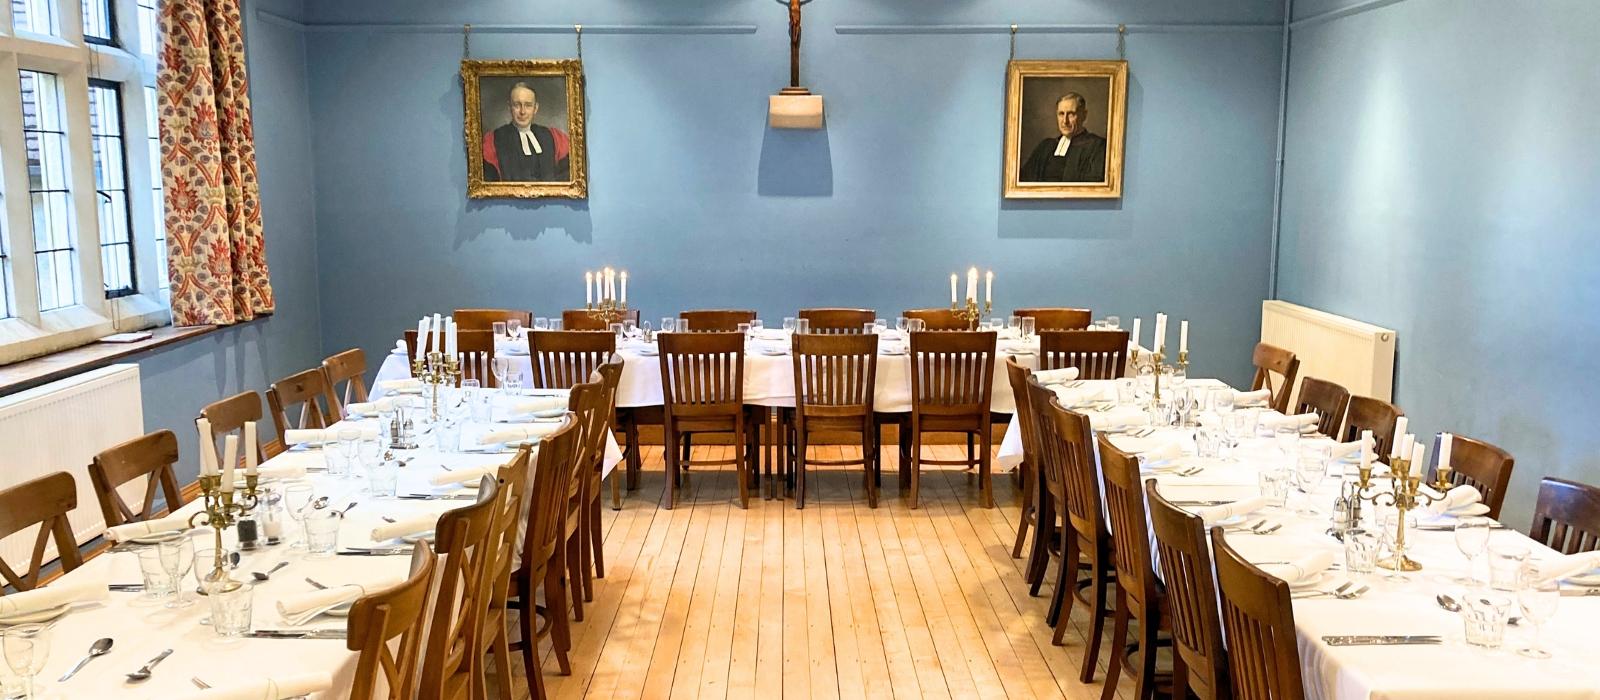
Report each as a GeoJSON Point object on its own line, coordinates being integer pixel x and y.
{"type": "Point", "coordinates": [142, 629]}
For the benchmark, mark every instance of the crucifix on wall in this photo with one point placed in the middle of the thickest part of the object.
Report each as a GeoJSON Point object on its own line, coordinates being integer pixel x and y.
{"type": "Point", "coordinates": [794, 107]}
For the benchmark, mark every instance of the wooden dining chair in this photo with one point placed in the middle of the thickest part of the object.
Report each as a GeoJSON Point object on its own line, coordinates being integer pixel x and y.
{"type": "Point", "coordinates": [474, 353]}
{"type": "Point", "coordinates": [1085, 540]}
{"type": "Point", "coordinates": [586, 403]}
{"type": "Point", "coordinates": [450, 652]}
{"type": "Point", "coordinates": [1566, 517]}
{"type": "Point", "coordinates": [1027, 469]}
{"type": "Point", "coordinates": [834, 382]}
{"type": "Point", "coordinates": [492, 636]}
{"type": "Point", "coordinates": [484, 319]}
{"type": "Point", "coordinates": [938, 319]}
{"type": "Point", "coordinates": [149, 458]}
{"type": "Point", "coordinates": [44, 502]}
{"type": "Point", "coordinates": [716, 320]}
{"type": "Point", "coordinates": [1272, 362]}
{"type": "Point", "coordinates": [824, 321]}
{"type": "Point", "coordinates": [1326, 399]}
{"type": "Point", "coordinates": [581, 320]}
{"type": "Point", "coordinates": [1096, 354]}
{"type": "Point", "coordinates": [702, 386]}
{"type": "Point", "coordinates": [1200, 663]}
{"type": "Point", "coordinates": [1478, 464]}
{"type": "Point", "coordinates": [1377, 415]}
{"type": "Point", "coordinates": [563, 359]}
{"type": "Point", "coordinates": [349, 369]}
{"type": "Point", "coordinates": [230, 414]}
{"type": "Point", "coordinates": [385, 630]}
{"type": "Point", "coordinates": [308, 392]}
{"type": "Point", "coordinates": [1258, 619]}
{"type": "Point", "coordinates": [1057, 318]}
{"type": "Point", "coordinates": [952, 383]}
{"type": "Point", "coordinates": [1141, 598]}
{"type": "Point", "coordinates": [543, 560]}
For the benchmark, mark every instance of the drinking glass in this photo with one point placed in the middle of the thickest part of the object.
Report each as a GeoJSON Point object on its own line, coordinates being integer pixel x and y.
{"type": "Point", "coordinates": [1472, 538]}
{"type": "Point", "coordinates": [644, 332]}
{"type": "Point", "coordinates": [788, 323]}
{"type": "Point", "coordinates": [1126, 391]}
{"type": "Point", "coordinates": [668, 324]}
{"type": "Point", "coordinates": [1113, 323]}
{"type": "Point", "coordinates": [757, 325]}
{"type": "Point", "coordinates": [880, 324]}
{"type": "Point", "coordinates": [1027, 326]}
{"type": "Point", "coordinates": [498, 328]}
{"type": "Point", "coordinates": [900, 324]}
{"type": "Point", "coordinates": [743, 330]}
{"type": "Point", "coordinates": [1147, 380]}
{"type": "Point", "coordinates": [617, 330]}
{"type": "Point", "coordinates": [1274, 485]}
{"type": "Point", "coordinates": [296, 498]}
{"type": "Point", "coordinates": [916, 325]}
{"type": "Point", "coordinates": [1221, 401]}
{"type": "Point", "coordinates": [156, 583]}
{"type": "Point", "coordinates": [541, 323]}
{"type": "Point", "coordinates": [1311, 466]}
{"type": "Point", "coordinates": [322, 532]}
{"type": "Point", "coordinates": [869, 328]}
{"type": "Point", "coordinates": [683, 325]}
{"type": "Point", "coordinates": [177, 556]}
{"type": "Point", "coordinates": [383, 479]}
{"type": "Point", "coordinates": [630, 329]}
{"type": "Point", "coordinates": [1287, 438]}
{"type": "Point", "coordinates": [1505, 563]}
{"type": "Point", "coordinates": [350, 448]}
{"type": "Point", "coordinates": [27, 648]}
{"type": "Point", "coordinates": [1239, 425]}
{"type": "Point", "coordinates": [1360, 552]}
{"type": "Point", "coordinates": [1538, 597]}
{"type": "Point", "coordinates": [1484, 616]}
{"type": "Point", "coordinates": [802, 326]}
{"type": "Point", "coordinates": [447, 435]}
{"type": "Point", "coordinates": [513, 327]}
{"type": "Point", "coordinates": [232, 610]}
{"type": "Point", "coordinates": [1014, 323]}
{"type": "Point", "coordinates": [555, 324]}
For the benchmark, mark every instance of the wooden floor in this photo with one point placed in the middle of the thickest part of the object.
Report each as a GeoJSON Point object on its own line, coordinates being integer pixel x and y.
{"type": "Point", "coordinates": [836, 600]}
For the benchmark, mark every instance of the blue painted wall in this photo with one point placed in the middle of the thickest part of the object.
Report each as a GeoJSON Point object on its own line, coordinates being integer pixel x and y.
{"type": "Point", "coordinates": [1443, 179]}
{"type": "Point", "coordinates": [707, 207]}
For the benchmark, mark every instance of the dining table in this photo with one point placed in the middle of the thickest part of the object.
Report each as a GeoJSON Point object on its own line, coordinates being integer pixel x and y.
{"type": "Point", "coordinates": [142, 626]}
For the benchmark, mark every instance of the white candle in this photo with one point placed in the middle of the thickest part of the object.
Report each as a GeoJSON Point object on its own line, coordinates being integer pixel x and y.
{"type": "Point", "coordinates": [1406, 443]}
{"type": "Point", "coordinates": [208, 448]}
{"type": "Point", "coordinates": [953, 300]}
{"type": "Point", "coordinates": [1418, 452]}
{"type": "Point", "coordinates": [1399, 433]}
{"type": "Point", "coordinates": [230, 457]}
{"type": "Point", "coordinates": [252, 447]}
{"type": "Point", "coordinates": [422, 335]}
{"type": "Point", "coordinates": [1446, 442]}
{"type": "Point", "coordinates": [624, 287]}
{"type": "Point", "coordinates": [988, 287]}
{"type": "Point", "coordinates": [1183, 336]}
{"type": "Point", "coordinates": [1159, 342]}
{"type": "Point", "coordinates": [438, 329]}
{"type": "Point", "coordinates": [611, 283]}
{"type": "Point", "coordinates": [588, 287]}
{"type": "Point", "coordinates": [1366, 449]}
{"type": "Point", "coordinates": [1135, 340]}
{"type": "Point", "coordinates": [450, 339]}
{"type": "Point", "coordinates": [972, 284]}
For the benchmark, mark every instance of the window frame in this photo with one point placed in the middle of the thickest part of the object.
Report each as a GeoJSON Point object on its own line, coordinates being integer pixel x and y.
{"type": "Point", "coordinates": [127, 191]}
{"type": "Point", "coordinates": [111, 25]}
{"type": "Point", "coordinates": [75, 60]}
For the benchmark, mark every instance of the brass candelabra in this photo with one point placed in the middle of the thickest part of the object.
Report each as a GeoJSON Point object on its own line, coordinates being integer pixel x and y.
{"type": "Point", "coordinates": [1404, 495]}
{"type": "Point", "coordinates": [434, 370]}
{"type": "Point", "coordinates": [221, 509]}
{"type": "Point", "coordinates": [608, 311]}
{"type": "Point", "coordinates": [971, 312]}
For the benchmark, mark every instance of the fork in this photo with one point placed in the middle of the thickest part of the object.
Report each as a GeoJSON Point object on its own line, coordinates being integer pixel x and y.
{"type": "Point", "coordinates": [1342, 592]}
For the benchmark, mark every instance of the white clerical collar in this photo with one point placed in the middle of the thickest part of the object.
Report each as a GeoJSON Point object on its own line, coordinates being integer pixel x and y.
{"type": "Point", "coordinates": [530, 144]}
{"type": "Point", "coordinates": [1061, 146]}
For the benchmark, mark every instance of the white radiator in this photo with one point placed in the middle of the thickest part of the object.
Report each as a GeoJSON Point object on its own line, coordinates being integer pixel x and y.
{"type": "Point", "coordinates": [60, 427]}
{"type": "Point", "coordinates": [1358, 356]}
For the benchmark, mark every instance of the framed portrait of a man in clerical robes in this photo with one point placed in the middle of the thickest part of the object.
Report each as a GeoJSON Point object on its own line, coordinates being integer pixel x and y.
{"type": "Point", "coordinates": [1064, 129]}
{"type": "Point", "coordinates": [524, 128]}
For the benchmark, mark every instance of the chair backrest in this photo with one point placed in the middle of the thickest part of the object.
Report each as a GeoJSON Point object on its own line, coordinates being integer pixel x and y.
{"type": "Point", "coordinates": [611, 377]}
{"type": "Point", "coordinates": [348, 368]}
{"type": "Point", "coordinates": [463, 537]}
{"type": "Point", "coordinates": [1096, 354]}
{"type": "Point", "coordinates": [149, 457]}
{"type": "Point", "coordinates": [1057, 318]}
{"type": "Point", "coordinates": [1377, 415]}
{"type": "Point", "coordinates": [308, 393]}
{"type": "Point", "coordinates": [504, 540]}
{"type": "Point", "coordinates": [1077, 469]}
{"type": "Point", "coordinates": [1270, 360]}
{"type": "Point", "coordinates": [1479, 464]}
{"type": "Point", "coordinates": [45, 502]}
{"type": "Point", "coordinates": [587, 402]}
{"type": "Point", "coordinates": [230, 414]}
{"type": "Point", "coordinates": [474, 351]}
{"type": "Point", "coordinates": [716, 320]}
{"type": "Point", "coordinates": [938, 319]}
{"type": "Point", "coordinates": [702, 374]}
{"type": "Point", "coordinates": [838, 320]}
{"type": "Point", "coordinates": [1130, 530]}
{"type": "Point", "coordinates": [564, 358]}
{"type": "Point", "coordinates": [484, 319]}
{"type": "Point", "coordinates": [556, 464]}
{"type": "Point", "coordinates": [835, 374]}
{"type": "Point", "coordinates": [1258, 619]}
{"type": "Point", "coordinates": [1185, 561]}
{"type": "Point", "coordinates": [1327, 400]}
{"type": "Point", "coordinates": [952, 373]}
{"type": "Point", "coordinates": [1566, 517]}
{"type": "Point", "coordinates": [385, 629]}
{"type": "Point", "coordinates": [1017, 377]}
{"type": "Point", "coordinates": [1049, 454]}
{"type": "Point", "coordinates": [580, 320]}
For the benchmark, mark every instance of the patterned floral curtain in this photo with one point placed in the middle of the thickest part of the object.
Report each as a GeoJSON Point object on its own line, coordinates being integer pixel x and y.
{"type": "Point", "coordinates": [216, 258]}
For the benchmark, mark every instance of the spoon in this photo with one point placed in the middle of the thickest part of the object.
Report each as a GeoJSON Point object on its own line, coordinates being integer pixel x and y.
{"type": "Point", "coordinates": [144, 671]}
{"type": "Point", "coordinates": [100, 647]}
{"type": "Point", "coordinates": [347, 509]}
{"type": "Point", "coordinates": [262, 577]}
{"type": "Point", "coordinates": [1449, 603]}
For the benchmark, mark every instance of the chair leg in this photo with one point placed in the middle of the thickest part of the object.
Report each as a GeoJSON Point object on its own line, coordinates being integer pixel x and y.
{"type": "Point", "coordinates": [916, 464]}
{"type": "Point", "coordinates": [501, 650]}
{"type": "Point", "coordinates": [635, 460]}
{"type": "Point", "coordinates": [1097, 615]}
{"type": "Point", "coordinates": [985, 479]}
{"type": "Point", "coordinates": [740, 446]}
{"type": "Point", "coordinates": [574, 547]}
{"type": "Point", "coordinates": [527, 627]}
{"type": "Point", "coordinates": [1029, 511]}
{"type": "Point", "coordinates": [616, 492]}
{"type": "Point", "coordinates": [1145, 689]}
{"type": "Point", "coordinates": [869, 460]}
{"type": "Point", "coordinates": [596, 541]}
{"type": "Point", "coordinates": [670, 451]}
{"type": "Point", "coordinates": [555, 598]}
{"type": "Point", "coordinates": [1062, 599]}
{"type": "Point", "coordinates": [800, 443]}
{"type": "Point", "coordinates": [688, 449]}
{"type": "Point", "coordinates": [585, 524]}
{"type": "Point", "coordinates": [1039, 553]}
{"type": "Point", "coordinates": [1119, 648]}
{"type": "Point", "coordinates": [970, 457]}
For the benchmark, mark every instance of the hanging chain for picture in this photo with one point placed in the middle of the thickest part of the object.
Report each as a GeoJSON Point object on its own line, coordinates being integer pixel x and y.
{"type": "Point", "coordinates": [578, 29]}
{"type": "Point", "coordinates": [466, 41]}
{"type": "Point", "coordinates": [1122, 42]}
{"type": "Point", "coordinates": [1013, 56]}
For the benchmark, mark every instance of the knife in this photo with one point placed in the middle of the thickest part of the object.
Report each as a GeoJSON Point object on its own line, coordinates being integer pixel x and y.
{"type": "Point", "coordinates": [373, 552]}
{"type": "Point", "coordinates": [1202, 503]}
{"type": "Point", "coordinates": [126, 587]}
{"type": "Point", "coordinates": [434, 497]}
{"type": "Point", "coordinates": [1380, 639]}
{"type": "Point", "coordinates": [1580, 592]}
{"type": "Point", "coordinates": [297, 634]}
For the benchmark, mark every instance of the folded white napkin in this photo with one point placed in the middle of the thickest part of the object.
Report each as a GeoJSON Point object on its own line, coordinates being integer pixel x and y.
{"type": "Point", "coordinates": [318, 436]}
{"type": "Point", "coordinates": [171, 523]}
{"type": "Point", "coordinates": [469, 475]}
{"type": "Point", "coordinates": [82, 589]}
{"type": "Point", "coordinates": [1560, 567]}
{"type": "Point", "coordinates": [363, 408]}
{"type": "Point", "coordinates": [1346, 449]}
{"type": "Point", "coordinates": [1213, 514]}
{"type": "Point", "coordinates": [1461, 500]}
{"type": "Point", "coordinates": [1056, 376]}
{"type": "Point", "coordinates": [409, 384]}
{"type": "Point", "coordinates": [1164, 453]}
{"type": "Point", "coordinates": [300, 608]}
{"type": "Point", "coordinates": [541, 404]}
{"type": "Point", "coordinates": [407, 526]}
{"type": "Point", "coordinates": [287, 471]}
{"type": "Point", "coordinates": [273, 688]}
{"type": "Point", "coordinates": [1302, 420]}
{"type": "Point", "coordinates": [772, 334]}
{"type": "Point", "coordinates": [1251, 398]}
{"type": "Point", "coordinates": [1303, 569]}
{"type": "Point", "coordinates": [523, 431]}
{"type": "Point", "coordinates": [1119, 417]}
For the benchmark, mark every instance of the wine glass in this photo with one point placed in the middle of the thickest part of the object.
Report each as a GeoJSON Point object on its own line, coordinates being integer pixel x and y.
{"type": "Point", "coordinates": [757, 325]}
{"type": "Point", "coordinates": [541, 323]}
{"type": "Point", "coordinates": [177, 557]}
{"type": "Point", "coordinates": [296, 498]}
{"type": "Point", "coordinates": [498, 328]}
{"type": "Point", "coordinates": [668, 323]}
{"type": "Point", "coordinates": [788, 323]}
{"type": "Point", "coordinates": [1222, 401]}
{"type": "Point", "coordinates": [1113, 323]}
{"type": "Point", "coordinates": [500, 368]}
{"type": "Point", "coordinates": [900, 324]}
{"type": "Point", "coordinates": [644, 332]}
{"type": "Point", "coordinates": [1026, 327]}
{"type": "Point", "coordinates": [1287, 437]}
{"type": "Point", "coordinates": [1472, 538]}
{"type": "Point", "coordinates": [27, 648]}
{"type": "Point", "coordinates": [513, 328]}
{"type": "Point", "coordinates": [880, 325]}
{"type": "Point", "coordinates": [1310, 468]}
{"type": "Point", "coordinates": [1538, 596]}
{"type": "Point", "coordinates": [630, 328]}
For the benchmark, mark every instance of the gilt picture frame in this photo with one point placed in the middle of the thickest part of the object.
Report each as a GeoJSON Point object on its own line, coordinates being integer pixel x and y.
{"type": "Point", "coordinates": [1064, 130]}
{"type": "Point", "coordinates": [524, 127]}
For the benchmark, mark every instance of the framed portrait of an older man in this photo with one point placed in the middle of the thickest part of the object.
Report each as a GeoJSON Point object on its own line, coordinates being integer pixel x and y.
{"type": "Point", "coordinates": [1064, 129]}
{"type": "Point", "coordinates": [524, 128]}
